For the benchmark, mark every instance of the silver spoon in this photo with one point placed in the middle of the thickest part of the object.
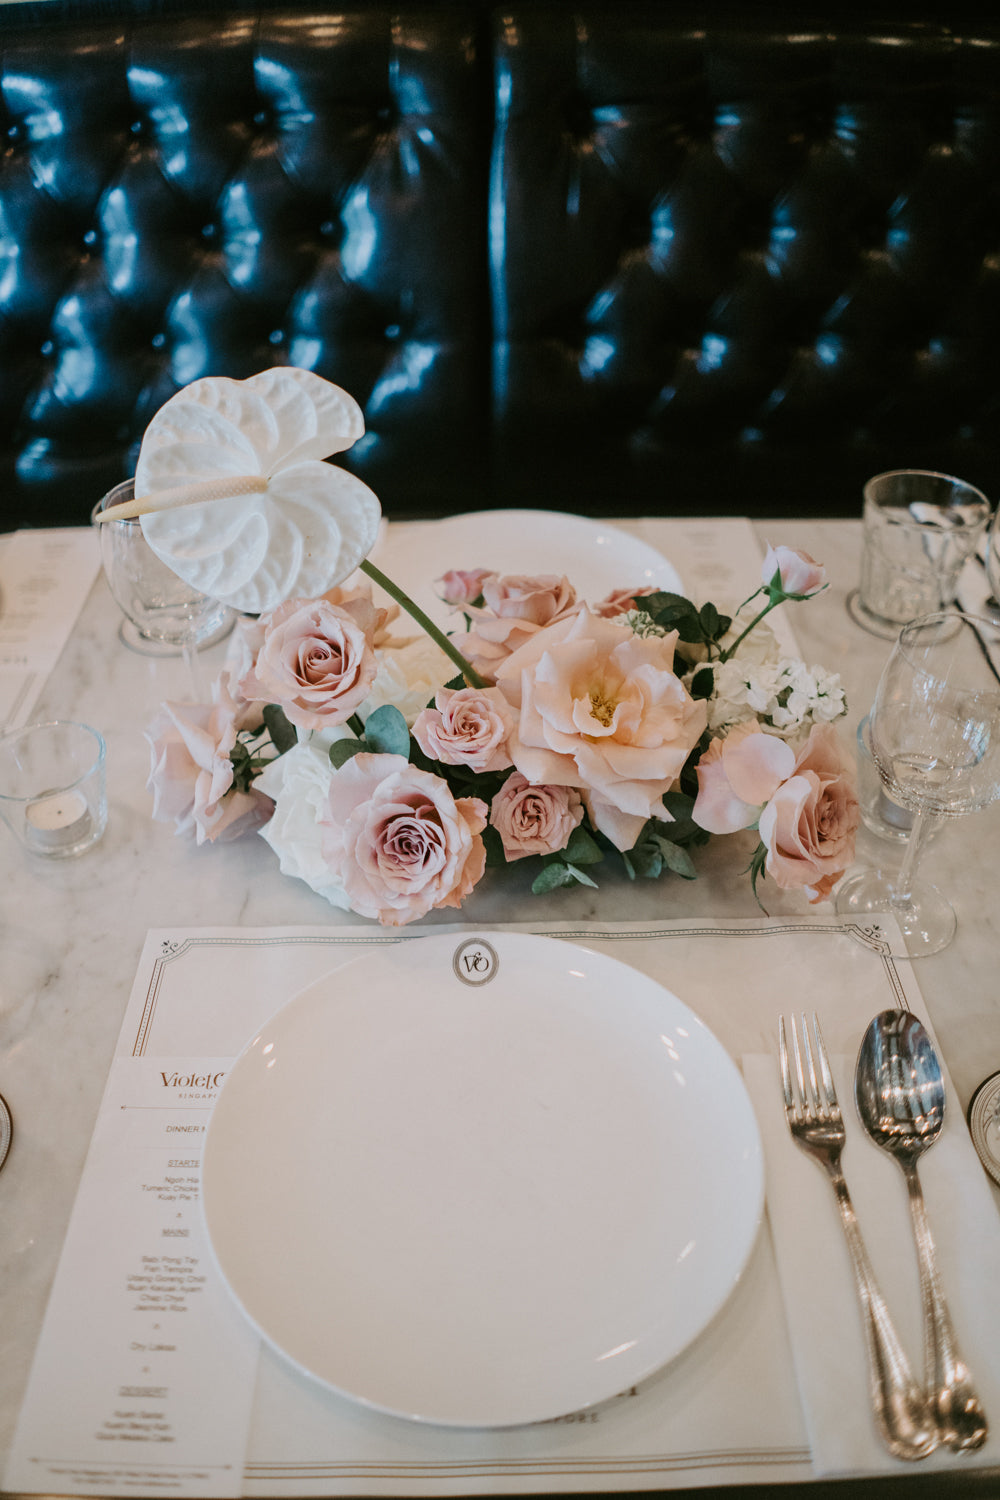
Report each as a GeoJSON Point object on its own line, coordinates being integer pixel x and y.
{"type": "Point", "coordinates": [899, 1093]}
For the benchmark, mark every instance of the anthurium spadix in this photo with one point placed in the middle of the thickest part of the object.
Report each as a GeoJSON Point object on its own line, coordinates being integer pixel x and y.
{"type": "Point", "coordinates": [235, 498]}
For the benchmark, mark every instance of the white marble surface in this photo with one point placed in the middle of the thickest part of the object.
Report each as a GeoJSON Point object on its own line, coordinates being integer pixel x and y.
{"type": "Point", "coordinates": [72, 931]}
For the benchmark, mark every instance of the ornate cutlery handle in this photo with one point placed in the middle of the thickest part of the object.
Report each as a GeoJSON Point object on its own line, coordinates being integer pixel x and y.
{"type": "Point", "coordinates": [901, 1408]}
{"type": "Point", "coordinates": [956, 1405]}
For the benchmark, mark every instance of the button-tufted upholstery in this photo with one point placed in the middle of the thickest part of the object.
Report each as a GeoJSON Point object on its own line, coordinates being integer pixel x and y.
{"type": "Point", "coordinates": [217, 193]}
{"type": "Point", "coordinates": [607, 257]}
{"type": "Point", "coordinates": [742, 268]}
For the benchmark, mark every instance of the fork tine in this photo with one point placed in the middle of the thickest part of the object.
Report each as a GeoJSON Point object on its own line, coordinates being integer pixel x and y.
{"type": "Point", "coordinates": [786, 1071]}
{"type": "Point", "coordinates": [826, 1071]}
{"type": "Point", "coordinates": [805, 1100]}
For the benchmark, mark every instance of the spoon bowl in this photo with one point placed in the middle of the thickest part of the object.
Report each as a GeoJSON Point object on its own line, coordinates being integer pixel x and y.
{"type": "Point", "coordinates": [900, 1097]}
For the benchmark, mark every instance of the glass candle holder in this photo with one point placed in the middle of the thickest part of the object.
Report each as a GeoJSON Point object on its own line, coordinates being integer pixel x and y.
{"type": "Point", "coordinates": [52, 787]}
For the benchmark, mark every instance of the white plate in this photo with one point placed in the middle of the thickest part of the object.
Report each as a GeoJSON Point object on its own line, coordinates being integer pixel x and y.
{"type": "Point", "coordinates": [596, 558]}
{"type": "Point", "coordinates": [482, 1181]}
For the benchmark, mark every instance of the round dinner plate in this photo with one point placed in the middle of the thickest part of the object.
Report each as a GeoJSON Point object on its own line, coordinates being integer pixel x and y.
{"type": "Point", "coordinates": [595, 557]}
{"type": "Point", "coordinates": [482, 1180]}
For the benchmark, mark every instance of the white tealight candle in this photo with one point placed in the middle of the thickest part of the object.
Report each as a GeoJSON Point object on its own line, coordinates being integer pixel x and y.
{"type": "Point", "coordinates": [56, 821]}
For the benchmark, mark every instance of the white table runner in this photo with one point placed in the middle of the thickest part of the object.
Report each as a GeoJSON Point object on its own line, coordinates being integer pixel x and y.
{"type": "Point", "coordinates": [147, 1377]}
{"type": "Point", "coordinates": [45, 577]}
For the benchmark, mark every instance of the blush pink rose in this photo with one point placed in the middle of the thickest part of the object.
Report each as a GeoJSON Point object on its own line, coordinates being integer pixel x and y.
{"type": "Point", "coordinates": [463, 586]}
{"type": "Point", "coordinates": [602, 710]}
{"type": "Point", "coordinates": [621, 601]}
{"type": "Point", "coordinates": [810, 823]}
{"type": "Point", "coordinates": [191, 775]}
{"type": "Point", "coordinates": [534, 819]}
{"type": "Point", "coordinates": [800, 575]}
{"type": "Point", "coordinates": [466, 727]}
{"type": "Point", "coordinates": [514, 608]}
{"type": "Point", "coordinates": [737, 775]}
{"type": "Point", "coordinates": [315, 659]}
{"type": "Point", "coordinates": [397, 842]}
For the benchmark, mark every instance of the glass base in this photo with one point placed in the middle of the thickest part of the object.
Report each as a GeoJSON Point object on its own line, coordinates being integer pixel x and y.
{"type": "Point", "coordinates": [886, 630]}
{"type": "Point", "coordinates": [148, 645]}
{"type": "Point", "coordinates": [926, 920]}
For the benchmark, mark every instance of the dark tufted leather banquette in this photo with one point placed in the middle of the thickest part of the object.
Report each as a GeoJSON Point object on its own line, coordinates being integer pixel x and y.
{"type": "Point", "coordinates": [611, 258]}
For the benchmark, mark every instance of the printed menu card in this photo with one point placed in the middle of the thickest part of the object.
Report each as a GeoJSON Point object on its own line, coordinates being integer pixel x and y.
{"type": "Point", "coordinates": [148, 1377]}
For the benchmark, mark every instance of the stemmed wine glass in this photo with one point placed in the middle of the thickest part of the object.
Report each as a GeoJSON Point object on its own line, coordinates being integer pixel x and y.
{"type": "Point", "coordinates": [935, 739]}
{"type": "Point", "coordinates": [164, 616]}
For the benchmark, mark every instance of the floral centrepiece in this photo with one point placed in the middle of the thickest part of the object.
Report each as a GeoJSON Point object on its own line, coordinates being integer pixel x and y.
{"type": "Point", "coordinates": [390, 771]}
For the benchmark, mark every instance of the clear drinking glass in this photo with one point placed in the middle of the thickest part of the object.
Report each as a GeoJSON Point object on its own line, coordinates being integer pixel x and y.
{"type": "Point", "coordinates": [935, 739]}
{"type": "Point", "coordinates": [164, 616]}
{"type": "Point", "coordinates": [920, 528]}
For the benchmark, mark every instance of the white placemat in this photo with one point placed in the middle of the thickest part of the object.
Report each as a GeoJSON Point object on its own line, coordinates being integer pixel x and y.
{"type": "Point", "coordinates": [727, 1411]}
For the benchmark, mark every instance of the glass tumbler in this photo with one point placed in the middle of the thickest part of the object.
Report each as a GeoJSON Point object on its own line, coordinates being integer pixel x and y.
{"type": "Point", "coordinates": [163, 614]}
{"type": "Point", "coordinates": [920, 528]}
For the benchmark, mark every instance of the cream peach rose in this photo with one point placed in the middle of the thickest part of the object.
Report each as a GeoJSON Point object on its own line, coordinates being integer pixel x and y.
{"type": "Point", "coordinates": [602, 710]}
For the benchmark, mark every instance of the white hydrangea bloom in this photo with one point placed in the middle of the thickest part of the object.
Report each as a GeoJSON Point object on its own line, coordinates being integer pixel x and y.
{"type": "Point", "coordinates": [786, 695]}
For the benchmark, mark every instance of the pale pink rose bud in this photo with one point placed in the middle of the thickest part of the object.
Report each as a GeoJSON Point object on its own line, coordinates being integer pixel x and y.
{"type": "Point", "coordinates": [460, 586]}
{"type": "Point", "coordinates": [800, 575]}
{"type": "Point", "coordinates": [467, 727]}
{"type": "Point", "coordinates": [534, 819]}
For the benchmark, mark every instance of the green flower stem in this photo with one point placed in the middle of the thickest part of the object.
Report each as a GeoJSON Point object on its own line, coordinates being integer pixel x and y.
{"type": "Point", "coordinates": [471, 676]}
{"type": "Point", "coordinates": [731, 650]}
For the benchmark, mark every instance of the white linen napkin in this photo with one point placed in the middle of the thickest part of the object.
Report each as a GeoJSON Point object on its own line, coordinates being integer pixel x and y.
{"type": "Point", "coordinates": [821, 1306]}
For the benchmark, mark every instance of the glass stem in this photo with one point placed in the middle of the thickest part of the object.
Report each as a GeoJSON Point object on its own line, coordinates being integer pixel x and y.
{"type": "Point", "coordinates": [902, 885]}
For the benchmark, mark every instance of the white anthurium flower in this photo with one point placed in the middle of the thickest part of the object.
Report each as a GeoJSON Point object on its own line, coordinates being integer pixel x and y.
{"type": "Point", "coordinates": [234, 495]}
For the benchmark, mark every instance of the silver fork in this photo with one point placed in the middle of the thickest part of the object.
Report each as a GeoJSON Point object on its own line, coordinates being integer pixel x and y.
{"type": "Point", "coordinates": [902, 1413]}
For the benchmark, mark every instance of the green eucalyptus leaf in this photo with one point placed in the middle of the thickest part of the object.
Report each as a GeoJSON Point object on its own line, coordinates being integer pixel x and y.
{"type": "Point", "coordinates": [581, 877]}
{"type": "Point", "coordinates": [551, 877]}
{"type": "Point", "coordinates": [282, 733]}
{"type": "Point", "coordinates": [646, 860]}
{"type": "Point", "coordinates": [581, 849]}
{"type": "Point", "coordinates": [677, 859]}
{"type": "Point", "coordinates": [678, 804]}
{"type": "Point", "coordinates": [386, 731]}
{"type": "Point", "coordinates": [341, 751]}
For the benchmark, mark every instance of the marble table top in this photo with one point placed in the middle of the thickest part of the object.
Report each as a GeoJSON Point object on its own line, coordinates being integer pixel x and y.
{"type": "Point", "coordinates": [72, 931]}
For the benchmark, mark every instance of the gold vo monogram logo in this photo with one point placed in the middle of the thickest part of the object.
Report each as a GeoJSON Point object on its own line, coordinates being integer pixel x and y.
{"type": "Point", "coordinates": [475, 962]}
